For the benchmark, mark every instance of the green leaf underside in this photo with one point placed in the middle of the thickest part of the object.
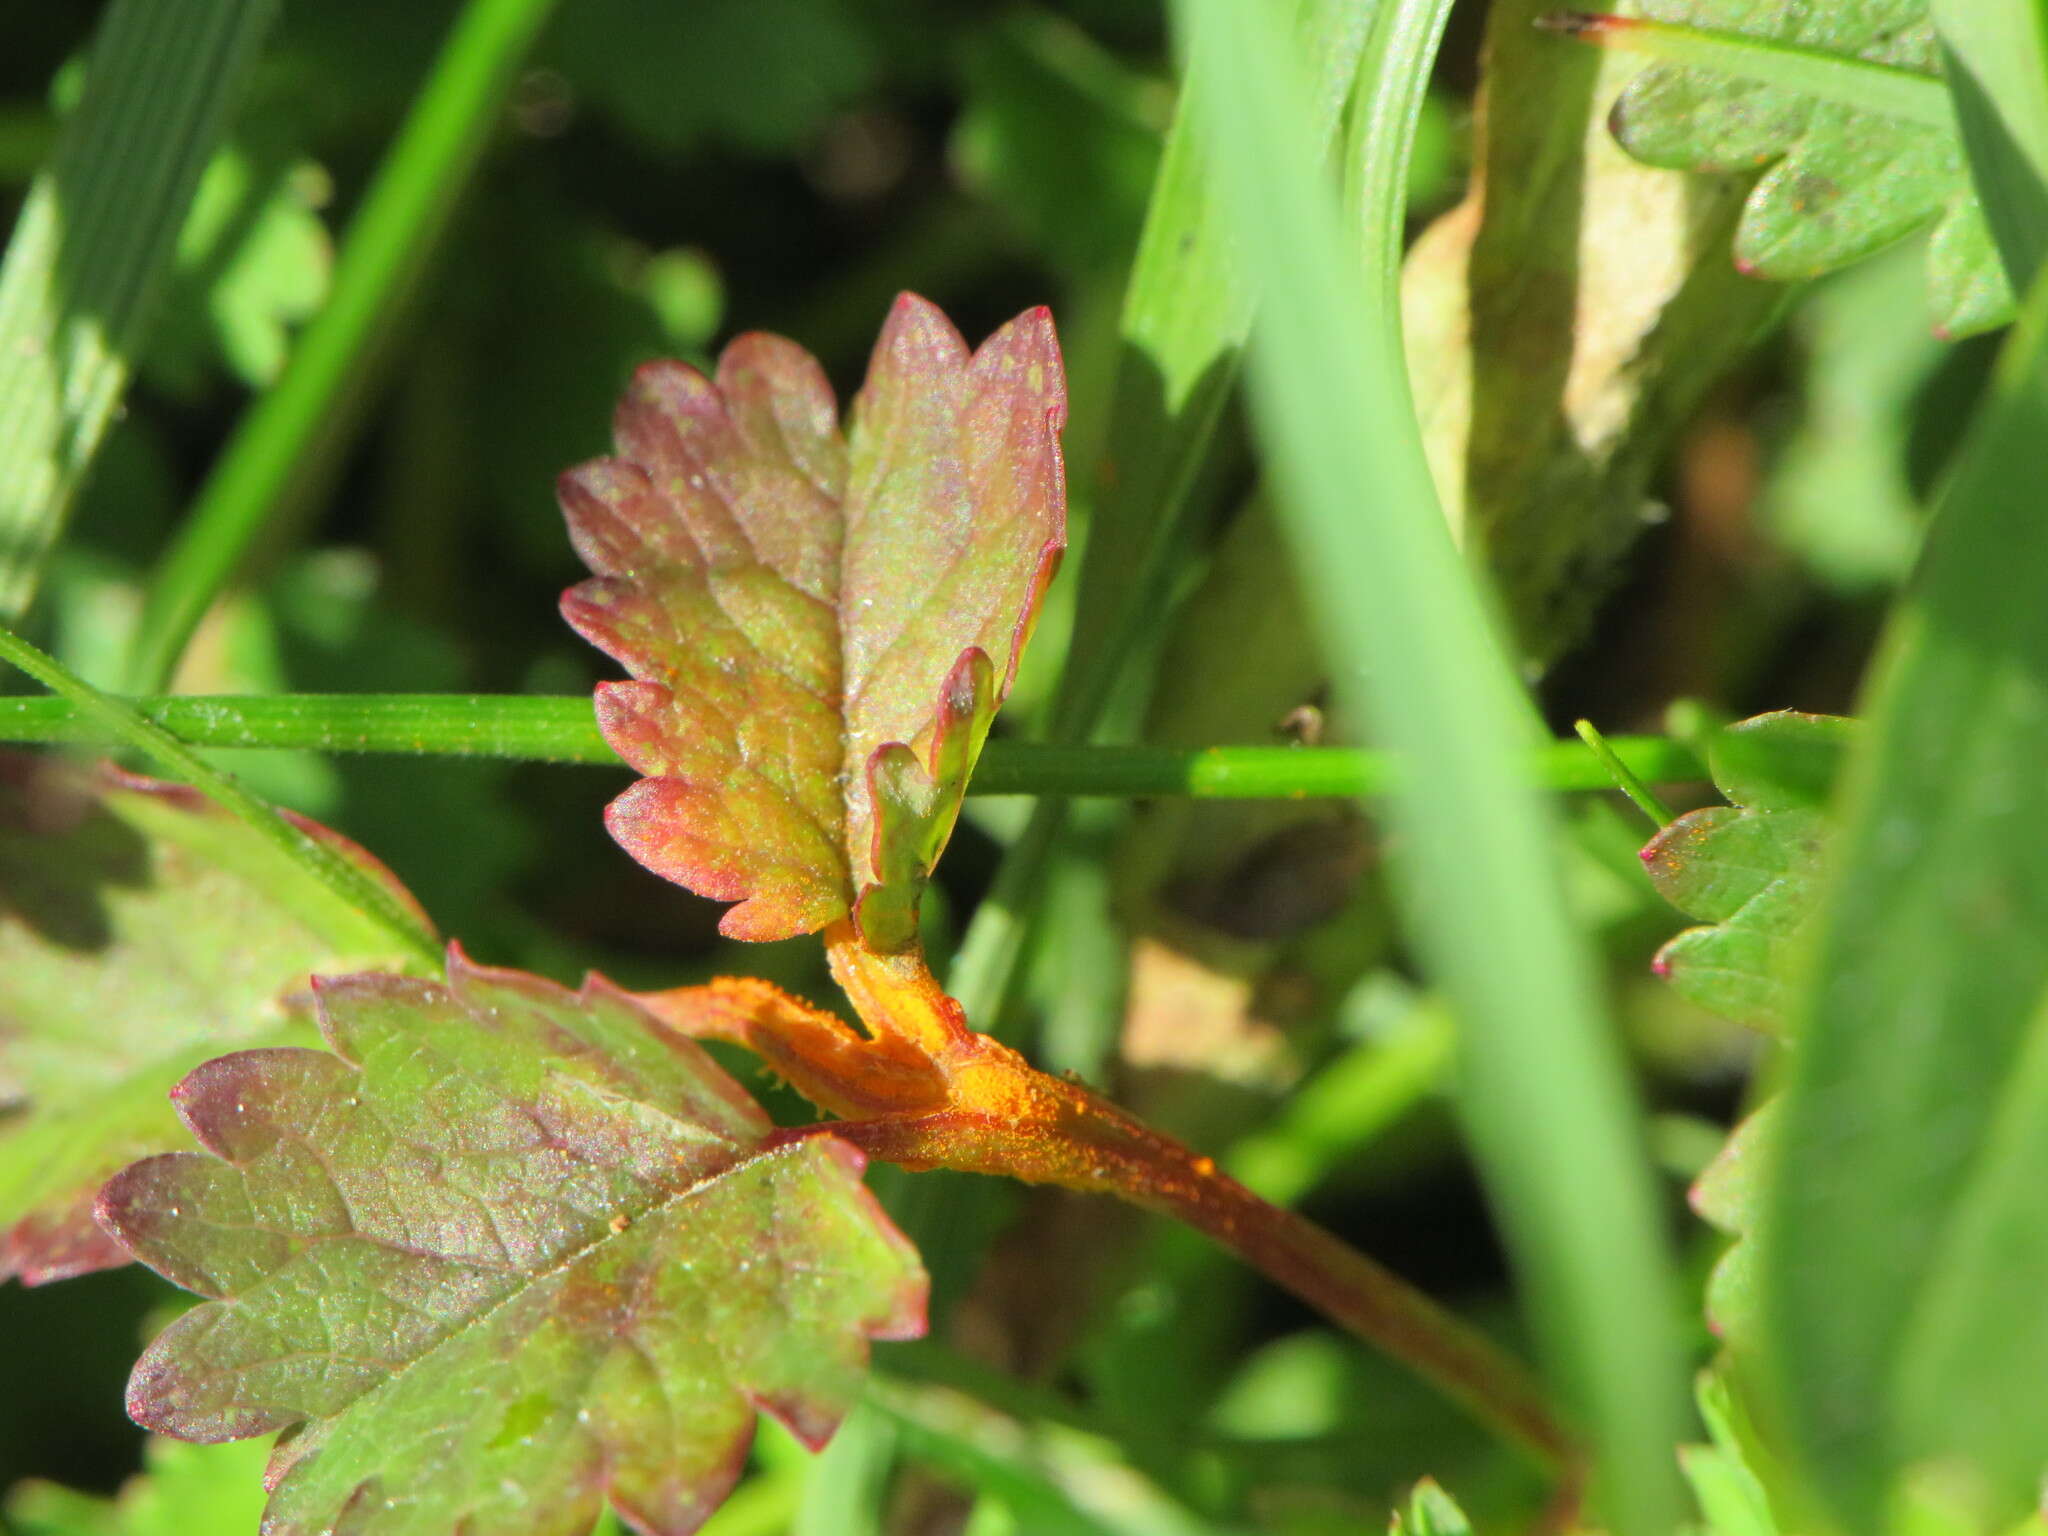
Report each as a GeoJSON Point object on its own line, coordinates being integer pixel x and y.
{"type": "Point", "coordinates": [515, 1249]}
{"type": "Point", "coordinates": [1842, 182]}
{"type": "Point", "coordinates": [1749, 870]}
{"type": "Point", "coordinates": [819, 630]}
{"type": "Point", "coordinates": [142, 930]}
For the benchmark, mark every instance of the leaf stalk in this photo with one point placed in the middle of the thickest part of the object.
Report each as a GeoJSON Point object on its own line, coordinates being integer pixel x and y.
{"type": "Point", "coordinates": [1097, 1148]}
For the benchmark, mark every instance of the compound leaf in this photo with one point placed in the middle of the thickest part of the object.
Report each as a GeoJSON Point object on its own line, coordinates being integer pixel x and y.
{"type": "Point", "coordinates": [142, 930]}
{"type": "Point", "coordinates": [1842, 181]}
{"type": "Point", "coordinates": [819, 629]}
{"type": "Point", "coordinates": [511, 1250]}
{"type": "Point", "coordinates": [1749, 870]}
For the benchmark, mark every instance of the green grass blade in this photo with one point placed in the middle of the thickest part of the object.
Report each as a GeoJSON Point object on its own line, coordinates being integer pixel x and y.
{"type": "Point", "coordinates": [1840, 78]}
{"type": "Point", "coordinates": [1187, 311]}
{"type": "Point", "coordinates": [174, 758]}
{"type": "Point", "coordinates": [294, 433]}
{"type": "Point", "coordinates": [1542, 1083]}
{"type": "Point", "coordinates": [91, 249]}
{"type": "Point", "coordinates": [1996, 56]}
{"type": "Point", "coordinates": [1911, 1091]}
{"type": "Point", "coordinates": [1625, 778]}
{"type": "Point", "coordinates": [514, 726]}
{"type": "Point", "coordinates": [562, 730]}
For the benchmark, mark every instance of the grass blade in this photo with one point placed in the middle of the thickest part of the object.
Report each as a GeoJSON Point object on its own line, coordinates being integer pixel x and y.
{"type": "Point", "coordinates": [1187, 311]}
{"type": "Point", "coordinates": [561, 730]}
{"type": "Point", "coordinates": [1996, 55]}
{"type": "Point", "coordinates": [295, 432]}
{"type": "Point", "coordinates": [91, 249]}
{"type": "Point", "coordinates": [1543, 1089]}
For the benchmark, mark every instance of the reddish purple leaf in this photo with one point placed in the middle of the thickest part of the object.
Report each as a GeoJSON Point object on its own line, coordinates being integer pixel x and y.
{"type": "Point", "coordinates": [513, 1250]}
{"type": "Point", "coordinates": [820, 631]}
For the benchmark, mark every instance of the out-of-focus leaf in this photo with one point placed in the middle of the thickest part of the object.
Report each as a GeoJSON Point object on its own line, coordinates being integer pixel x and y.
{"type": "Point", "coordinates": [185, 1490]}
{"type": "Point", "coordinates": [513, 1250]}
{"type": "Point", "coordinates": [1055, 123]}
{"type": "Point", "coordinates": [327, 619]}
{"type": "Point", "coordinates": [1749, 870]}
{"type": "Point", "coordinates": [1561, 323]}
{"type": "Point", "coordinates": [1051, 1480]}
{"type": "Point", "coordinates": [1996, 54]}
{"type": "Point", "coordinates": [142, 930]}
{"type": "Point", "coordinates": [253, 261]}
{"type": "Point", "coordinates": [759, 73]}
{"type": "Point", "coordinates": [821, 630]}
{"type": "Point", "coordinates": [598, 307]}
{"type": "Point", "coordinates": [1730, 1494]}
{"type": "Point", "coordinates": [1842, 182]}
{"type": "Point", "coordinates": [1724, 1196]}
{"type": "Point", "coordinates": [1429, 1512]}
{"type": "Point", "coordinates": [1839, 496]}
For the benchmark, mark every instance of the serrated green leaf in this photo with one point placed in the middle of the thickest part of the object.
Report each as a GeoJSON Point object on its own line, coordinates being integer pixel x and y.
{"type": "Point", "coordinates": [1749, 870]}
{"type": "Point", "coordinates": [511, 1251]}
{"type": "Point", "coordinates": [821, 630]}
{"type": "Point", "coordinates": [142, 930]}
{"type": "Point", "coordinates": [1842, 182]}
{"type": "Point", "coordinates": [184, 1490]}
{"type": "Point", "coordinates": [1724, 1196]}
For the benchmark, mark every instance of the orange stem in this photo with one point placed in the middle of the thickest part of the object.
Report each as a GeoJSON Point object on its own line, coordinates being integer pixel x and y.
{"type": "Point", "coordinates": [1101, 1149]}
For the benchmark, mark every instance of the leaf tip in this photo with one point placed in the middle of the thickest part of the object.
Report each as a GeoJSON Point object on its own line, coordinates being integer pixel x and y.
{"type": "Point", "coordinates": [915, 324]}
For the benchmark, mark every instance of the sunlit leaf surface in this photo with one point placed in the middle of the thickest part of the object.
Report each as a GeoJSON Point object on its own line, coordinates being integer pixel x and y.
{"type": "Point", "coordinates": [1839, 183]}
{"type": "Point", "coordinates": [820, 628]}
{"type": "Point", "coordinates": [513, 1250]}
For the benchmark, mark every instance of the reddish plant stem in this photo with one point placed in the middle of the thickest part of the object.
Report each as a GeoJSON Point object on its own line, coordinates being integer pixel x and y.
{"type": "Point", "coordinates": [925, 1090]}
{"type": "Point", "coordinates": [1101, 1149]}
